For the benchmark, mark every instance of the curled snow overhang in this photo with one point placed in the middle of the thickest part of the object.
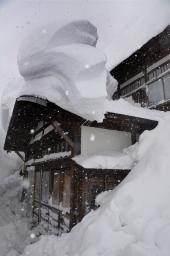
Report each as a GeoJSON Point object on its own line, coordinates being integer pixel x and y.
{"type": "Point", "coordinates": [66, 67]}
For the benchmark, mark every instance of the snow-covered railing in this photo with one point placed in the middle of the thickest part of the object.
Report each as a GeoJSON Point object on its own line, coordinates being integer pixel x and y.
{"type": "Point", "coordinates": [54, 219]}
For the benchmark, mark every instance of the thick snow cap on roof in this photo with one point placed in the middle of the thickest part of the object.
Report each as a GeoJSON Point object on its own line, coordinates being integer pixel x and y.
{"type": "Point", "coordinates": [67, 68]}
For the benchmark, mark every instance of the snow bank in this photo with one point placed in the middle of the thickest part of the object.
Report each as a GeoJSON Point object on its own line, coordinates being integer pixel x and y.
{"type": "Point", "coordinates": [9, 163]}
{"type": "Point", "coordinates": [14, 232]}
{"type": "Point", "coordinates": [132, 220]}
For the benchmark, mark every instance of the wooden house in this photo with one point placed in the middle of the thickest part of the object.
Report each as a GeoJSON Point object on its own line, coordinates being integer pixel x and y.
{"type": "Point", "coordinates": [145, 75]}
{"type": "Point", "coordinates": [61, 190]}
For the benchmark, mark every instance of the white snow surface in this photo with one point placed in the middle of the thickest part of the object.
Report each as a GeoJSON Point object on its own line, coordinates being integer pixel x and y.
{"type": "Point", "coordinates": [108, 160]}
{"type": "Point", "coordinates": [123, 26]}
{"type": "Point", "coordinates": [14, 232]}
{"type": "Point", "coordinates": [67, 68]}
{"type": "Point", "coordinates": [133, 219]}
{"type": "Point", "coordinates": [144, 228]}
{"type": "Point", "coordinates": [118, 37]}
{"type": "Point", "coordinates": [14, 226]}
{"type": "Point", "coordinates": [49, 157]}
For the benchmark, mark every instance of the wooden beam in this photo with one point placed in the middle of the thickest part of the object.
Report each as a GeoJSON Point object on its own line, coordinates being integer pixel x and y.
{"type": "Point", "coordinates": [58, 129]}
{"type": "Point", "coordinates": [19, 154]}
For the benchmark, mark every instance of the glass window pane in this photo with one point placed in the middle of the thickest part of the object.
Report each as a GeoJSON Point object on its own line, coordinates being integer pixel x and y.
{"type": "Point", "coordinates": [66, 191]}
{"type": "Point", "coordinates": [45, 187]}
{"type": "Point", "coordinates": [156, 91]}
{"type": "Point", "coordinates": [37, 185]}
{"type": "Point", "coordinates": [167, 86]}
{"type": "Point", "coordinates": [56, 188]}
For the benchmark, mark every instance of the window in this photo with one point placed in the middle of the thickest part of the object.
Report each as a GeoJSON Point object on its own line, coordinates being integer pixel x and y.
{"type": "Point", "coordinates": [156, 92]}
{"type": "Point", "coordinates": [159, 90]}
{"type": "Point", "coordinates": [37, 185]}
{"type": "Point", "coordinates": [45, 186]}
{"type": "Point", "coordinates": [167, 87]}
{"type": "Point", "coordinates": [66, 191]}
{"type": "Point", "coordinates": [58, 187]}
{"type": "Point", "coordinates": [62, 146]}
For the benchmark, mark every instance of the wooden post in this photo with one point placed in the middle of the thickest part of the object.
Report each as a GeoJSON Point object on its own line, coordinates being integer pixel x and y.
{"type": "Point", "coordinates": [58, 129]}
{"type": "Point", "coordinates": [20, 156]}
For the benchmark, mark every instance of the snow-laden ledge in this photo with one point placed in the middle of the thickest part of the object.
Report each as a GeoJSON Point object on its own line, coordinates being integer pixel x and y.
{"type": "Point", "coordinates": [48, 157]}
{"type": "Point", "coordinates": [108, 160]}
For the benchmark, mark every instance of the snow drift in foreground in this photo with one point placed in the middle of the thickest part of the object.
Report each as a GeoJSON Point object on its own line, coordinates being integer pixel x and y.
{"type": "Point", "coordinates": [14, 227]}
{"type": "Point", "coordinates": [134, 219]}
{"type": "Point", "coordinates": [14, 232]}
{"type": "Point", "coordinates": [66, 67]}
{"type": "Point", "coordinates": [8, 162]}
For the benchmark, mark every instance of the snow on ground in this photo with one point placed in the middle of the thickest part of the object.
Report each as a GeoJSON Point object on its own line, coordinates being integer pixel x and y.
{"type": "Point", "coordinates": [8, 162]}
{"type": "Point", "coordinates": [14, 234]}
{"type": "Point", "coordinates": [14, 226]}
{"type": "Point", "coordinates": [14, 215]}
{"type": "Point", "coordinates": [132, 220]}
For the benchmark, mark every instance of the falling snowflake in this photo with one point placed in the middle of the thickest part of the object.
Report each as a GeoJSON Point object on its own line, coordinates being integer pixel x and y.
{"type": "Point", "coordinates": [92, 137]}
{"type": "Point", "coordinates": [44, 31]}
{"type": "Point", "coordinates": [32, 131]}
{"type": "Point", "coordinates": [32, 235]}
{"type": "Point", "coordinates": [67, 92]}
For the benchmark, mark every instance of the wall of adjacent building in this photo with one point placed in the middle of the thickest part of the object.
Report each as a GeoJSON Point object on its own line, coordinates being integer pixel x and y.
{"type": "Point", "coordinates": [96, 140]}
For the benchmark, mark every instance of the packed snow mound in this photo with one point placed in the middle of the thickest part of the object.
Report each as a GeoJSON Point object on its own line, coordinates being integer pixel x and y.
{"type": "Point", "coordinates": [66, 67]}
{"type": "Point", "coordinates": [134, 219]}
{"type": "Point", "coordinates": [124, 159]}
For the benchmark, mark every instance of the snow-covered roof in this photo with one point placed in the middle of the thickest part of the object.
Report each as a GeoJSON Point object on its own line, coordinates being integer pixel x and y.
{"type": "Point", "coordinates": [66, 68]}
